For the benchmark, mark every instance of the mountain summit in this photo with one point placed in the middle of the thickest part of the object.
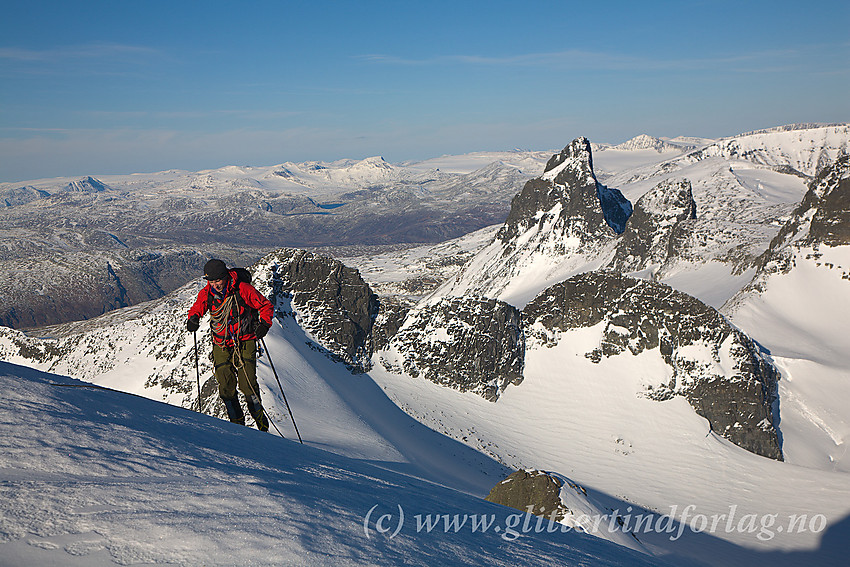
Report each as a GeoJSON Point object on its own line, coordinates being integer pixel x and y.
{"type": "Point", "coordinates": [557, 222]}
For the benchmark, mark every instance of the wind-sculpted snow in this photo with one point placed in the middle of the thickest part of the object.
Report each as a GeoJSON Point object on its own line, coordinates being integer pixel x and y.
{"type": "Point", "coordinates": [96, 477]}
{"type": "Point", "coordinates": [715, 366]}
{"type": "Point", "coordinates": [144, 347]}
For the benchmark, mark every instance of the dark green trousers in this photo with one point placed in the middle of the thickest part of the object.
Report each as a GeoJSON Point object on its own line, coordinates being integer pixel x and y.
{"type": "Point", "coordinates": [230, 372]}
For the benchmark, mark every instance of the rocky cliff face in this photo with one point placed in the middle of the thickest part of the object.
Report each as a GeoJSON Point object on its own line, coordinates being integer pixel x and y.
{"type": "Point", "coordinates": [823, 215]}
{"type": "Point", "coordinates": [569, 197]}
{"type": "Point", "coordinates": [470, 344]}
{"type": "Point", "coordinates": [330, 300]}
{"type": "Point", "coordinates": [713, 365]}
{"type": "Point", "coordinates": [656, 228]}
{"type": "Point", "coordinates": [558, 223]}
{"type": "Point", "coordinates": [821, 220]}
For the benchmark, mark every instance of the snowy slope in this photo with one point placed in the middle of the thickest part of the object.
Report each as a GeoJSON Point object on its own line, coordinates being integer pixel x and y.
{"type": "Point", "coordinates": [592, 423]}
{"type": "Point", "coordinates": [589, 422]}
{"type": "Point", "coordinates": [97, 477]}
{"type": "Point", "coordinates": [803, 319]}
{"type": "Point", "coordinates": [796, 306]}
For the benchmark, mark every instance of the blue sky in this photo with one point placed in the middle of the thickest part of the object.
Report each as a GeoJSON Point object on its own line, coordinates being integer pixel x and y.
{"type": "Point", "coordinates": [119, 87]}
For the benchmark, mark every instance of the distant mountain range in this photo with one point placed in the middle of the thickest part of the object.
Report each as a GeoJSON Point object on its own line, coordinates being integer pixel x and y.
{"type": "Point", "coordinates": [669, 337]}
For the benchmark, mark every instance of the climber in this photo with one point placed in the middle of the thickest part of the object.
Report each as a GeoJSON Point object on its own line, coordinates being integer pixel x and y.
{"type": "Point", "coordinates": [239, 317]}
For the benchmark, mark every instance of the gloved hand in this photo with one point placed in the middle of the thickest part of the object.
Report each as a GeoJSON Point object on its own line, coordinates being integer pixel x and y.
{"type": "Point", "coordinates": [193, 323]}
{"type": "Point", "coordinates": [261, 329]}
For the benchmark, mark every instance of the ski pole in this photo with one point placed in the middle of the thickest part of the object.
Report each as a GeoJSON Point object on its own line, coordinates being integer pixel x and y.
{"type": "Point", "coordinates": [197, 371]}
{"type": "Point", "coordinates": [292, 417]}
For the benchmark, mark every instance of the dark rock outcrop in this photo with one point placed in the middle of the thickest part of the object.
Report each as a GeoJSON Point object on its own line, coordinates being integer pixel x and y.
{"type": "Point", "coordinates": [823, 215]}
{"type": "Point", "coordinates": [715, 366]}
{"type": "Point", "coordinates": [822, 218]}
{"type": "Point", "coordinates": [588, 210]}
{"type": "Point", "coordinates": [657, 225]}
{"type": "Point", "coordinates": [471, 344]}
{"type": "Point", "coordinates": [533, 491]}
{"type": "Point", "coordinates": [331, 301]}
{"type": "Point", "coordinates": [391, 315]}
{"type": "Point", "coordinates": [86, 185]}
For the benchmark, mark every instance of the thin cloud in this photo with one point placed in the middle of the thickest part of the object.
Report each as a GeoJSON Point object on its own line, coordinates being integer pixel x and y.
{"type": "Point", "coordinates": [593, 60]}
{"type": "Point", "coordinates": [93, 51]}
{"type": "Point", "coordinates": [93, 59]}
{"type": "Point", "coordinates": [193, 114]}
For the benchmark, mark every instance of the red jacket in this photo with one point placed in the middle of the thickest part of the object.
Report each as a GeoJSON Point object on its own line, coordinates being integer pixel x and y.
{"type": "Point", "coordinates": [238, 321]}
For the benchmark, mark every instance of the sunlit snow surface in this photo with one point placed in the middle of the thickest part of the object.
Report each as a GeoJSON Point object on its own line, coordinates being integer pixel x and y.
{"type": "Point", "coordinates": [93, 477]}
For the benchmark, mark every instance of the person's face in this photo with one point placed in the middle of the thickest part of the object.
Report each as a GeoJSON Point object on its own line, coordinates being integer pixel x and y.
{"type": "Point", "coordinates": [217, 285]}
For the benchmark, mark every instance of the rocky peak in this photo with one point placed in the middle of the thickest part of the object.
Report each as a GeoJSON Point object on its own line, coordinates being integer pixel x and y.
{"type": "Point", "coordinates": [822, 218]}
{"type": "Point", "coordinates": [20, 195]}
{"type": "Point", "coordinates": [569, 196]}
{"type": "Point", "coordinates": [646, 142]}
{"type": "Point", "coordinates": [656, 227]}
{"type": "Point", "coordinates": [329, 300]}
{"type": "Point", "coordinates": [827, 204]}
{"type": "Point", "coordinates": [86, 185]}
{"type": "Point", "coordinates": [715, 366]}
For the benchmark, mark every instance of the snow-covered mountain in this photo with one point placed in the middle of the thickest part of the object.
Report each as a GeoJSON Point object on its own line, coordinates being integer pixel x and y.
{"type": "Point", "coordinates": [105, 478]}
{"type": "Point", "coordinates": [796, 305]}
{"type": "Point", "coordinates": [144, 235]}
{"type": "Point", "coordinates": [723, 203]}
{"type": "Point", "coordinates": [560, 221]}
{"type": "Point", "coordinates": [630, 386]}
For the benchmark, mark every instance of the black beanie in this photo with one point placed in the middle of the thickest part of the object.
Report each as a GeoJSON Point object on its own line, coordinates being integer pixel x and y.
{"type": "Point", "coordinates": [215, 270]}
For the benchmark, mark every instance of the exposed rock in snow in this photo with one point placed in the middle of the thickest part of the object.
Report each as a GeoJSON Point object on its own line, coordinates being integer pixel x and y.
{"type": "Point", "coordinates": [568, 190]}
{"type": "Point", "coordinates": [656, 227]}
{"type": "Point", "coordinates": [645, 142]}
{"type": "Point", "coordinates": [560, 500]}
{"type": "Point", "coordinates": [821, 219]}
{"type": "Point", "coordinates": [470, 344]}
{"type": "Point", "coordinates": [715, 366]}
{"type": "Point", "coordinates": [806, 148]}
{"type": "Point", "coordinates": [559, 221]}
{"type": "Point", "coordinates": [330, 300]}
{"type": "Point", "coordinates": [86, 185]}
{"type": "Point", "coordinates": [19, 195]}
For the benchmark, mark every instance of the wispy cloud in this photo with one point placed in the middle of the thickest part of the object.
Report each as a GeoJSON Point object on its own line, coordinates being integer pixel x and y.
{"type": "Point", "coordinates": [91, 59]}
{"type": "Point", "coordinates": [92, 51]}
{"type": "Point", "coordinates": [194, 114]}
{"type": "Point", "coordinates": [776, 60]}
